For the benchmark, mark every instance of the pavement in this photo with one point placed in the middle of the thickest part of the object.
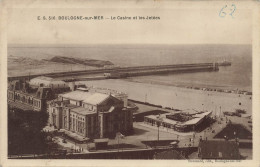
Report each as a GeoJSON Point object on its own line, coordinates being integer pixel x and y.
{"type": "Point", "coordinates": [70, 145]}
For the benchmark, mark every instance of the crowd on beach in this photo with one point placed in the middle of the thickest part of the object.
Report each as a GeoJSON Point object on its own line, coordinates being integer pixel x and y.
{"type": "Point", "coordinates": [222, 90]}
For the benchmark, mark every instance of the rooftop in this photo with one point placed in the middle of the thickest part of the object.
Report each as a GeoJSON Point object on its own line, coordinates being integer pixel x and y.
{"type": "Point", "coordinates": [164, 119]}
{"type": "Point", "coordinates": [196, 118]}
{"type": "Point", "coordinates": [96, 98]}
{"type": "Point", "coordinates": [191, 111]}
{"type": "Point", "coordinates": [200, 115]}
{"type": "Point", "coordinates": [71, 106]}
{"type": "Point", "coordinates": [44, 78]}
{"type": "Point", "coordinates": [82, 111]}
{"type": "Point", "coordinates": [191, 122]}
{"type": "Point", "coordinates": [76, 95]}
{"type": "Point", "coordinates": [169, 154]}
{"type": "Point", "coordinates": [219, 149]}
{"type": "Point", "coordinates": [27, 93]}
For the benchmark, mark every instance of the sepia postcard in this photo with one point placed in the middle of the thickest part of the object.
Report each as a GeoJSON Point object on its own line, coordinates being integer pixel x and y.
{"type": "Point", "coordinates": [130, 83]}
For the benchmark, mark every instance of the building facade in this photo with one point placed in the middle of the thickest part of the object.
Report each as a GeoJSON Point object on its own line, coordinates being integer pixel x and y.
{"type": "Point", "coordinates": [90, 114]}
{"type": "Point", "coordinates": [21, 94]}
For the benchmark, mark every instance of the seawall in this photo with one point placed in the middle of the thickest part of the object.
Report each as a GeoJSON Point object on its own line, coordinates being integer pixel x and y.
{"type": "Point", "coordinates": [130, 71]}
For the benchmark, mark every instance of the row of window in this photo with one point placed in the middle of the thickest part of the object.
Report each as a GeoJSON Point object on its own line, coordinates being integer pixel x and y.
{"type": "Point", "coordinates": [77, 117]}
{"type": "Point", "coordinates": [37, 103]}
{"type": "Point", "coordinates": [80, 126]}
{"type": "Point", "coordinates": [24, 99]}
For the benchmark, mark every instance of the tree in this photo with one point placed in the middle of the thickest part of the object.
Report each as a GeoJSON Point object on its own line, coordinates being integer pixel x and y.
{"type": "Point", "coordinates": [25, 135]}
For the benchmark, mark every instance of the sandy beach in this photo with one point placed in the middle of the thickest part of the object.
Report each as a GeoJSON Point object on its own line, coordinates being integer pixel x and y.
{"type": "Point", "coordinates": [178, 97]}
{"type": "Point", "coordinates": [172, 80]}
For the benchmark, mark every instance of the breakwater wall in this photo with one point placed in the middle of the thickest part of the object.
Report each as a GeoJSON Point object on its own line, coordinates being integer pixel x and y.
{"type": "Point", "coordinates": [168, 70]}
{"type": "Point", "coordinates": [130, 71]}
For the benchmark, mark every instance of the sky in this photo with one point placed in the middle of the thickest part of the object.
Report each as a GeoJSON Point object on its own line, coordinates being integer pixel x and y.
{"type": "Point", "coordinates": [177, 25]}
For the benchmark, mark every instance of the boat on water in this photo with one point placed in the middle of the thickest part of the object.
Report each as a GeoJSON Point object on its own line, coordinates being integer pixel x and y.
{"type": "Point", "coordinates": [224, 63]}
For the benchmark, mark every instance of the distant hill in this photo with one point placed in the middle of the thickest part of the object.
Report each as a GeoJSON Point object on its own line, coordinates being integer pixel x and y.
{"type": "Point", "coordinates": [88, 62]}
{"type": "Point", "coordinates": [24, 60]}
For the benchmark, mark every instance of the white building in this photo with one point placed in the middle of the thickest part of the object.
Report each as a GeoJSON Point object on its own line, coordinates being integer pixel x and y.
{"type": "Point", "coordinates": [48, 82]}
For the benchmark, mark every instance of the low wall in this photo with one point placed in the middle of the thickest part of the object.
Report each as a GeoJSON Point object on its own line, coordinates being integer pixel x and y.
{"type": "Point", "coordinates": [121, 154]}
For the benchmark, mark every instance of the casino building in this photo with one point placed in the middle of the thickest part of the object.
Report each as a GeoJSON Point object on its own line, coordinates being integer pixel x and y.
{"type": "Point", "coordinates": [84, 113]}
{"type": "Point", "coordinates": [90, 114]}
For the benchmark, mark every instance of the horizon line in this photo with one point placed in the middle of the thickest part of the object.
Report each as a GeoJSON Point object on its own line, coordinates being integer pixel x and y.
{"type": "Point", "coordinates": [118, 44]}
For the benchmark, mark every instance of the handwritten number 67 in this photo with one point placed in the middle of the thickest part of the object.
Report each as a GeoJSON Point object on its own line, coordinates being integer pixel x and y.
{"type": "Point", "coordinates": [223, 12]}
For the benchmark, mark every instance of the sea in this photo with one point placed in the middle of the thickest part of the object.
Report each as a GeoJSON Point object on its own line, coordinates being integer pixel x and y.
{"type": "Point", "coordinates": [236, 76]}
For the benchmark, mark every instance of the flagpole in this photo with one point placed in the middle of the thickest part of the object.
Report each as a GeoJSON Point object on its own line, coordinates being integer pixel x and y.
{"type": "Point", "coordinates": [117, 143]}
{"type": "Point", "coordinates": [158, 131]}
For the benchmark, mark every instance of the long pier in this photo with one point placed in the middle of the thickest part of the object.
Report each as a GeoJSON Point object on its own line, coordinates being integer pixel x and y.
{"type": "Point", "coordinates": [119, 72]}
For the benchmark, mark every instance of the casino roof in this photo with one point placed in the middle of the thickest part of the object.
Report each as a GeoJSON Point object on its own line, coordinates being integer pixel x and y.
{"type": "Point", "coordinates": [82, 111]}
{"type": "Point", "coordinates": [76, 95]}
{"type": "Point", "coordinates": [86, 97]}
{"type": "Point", "coordinates": [96, 98]}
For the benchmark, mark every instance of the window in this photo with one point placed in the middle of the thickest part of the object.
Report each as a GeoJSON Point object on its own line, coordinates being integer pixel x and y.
{"type": "Point", "coordinates": [64, 123]}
